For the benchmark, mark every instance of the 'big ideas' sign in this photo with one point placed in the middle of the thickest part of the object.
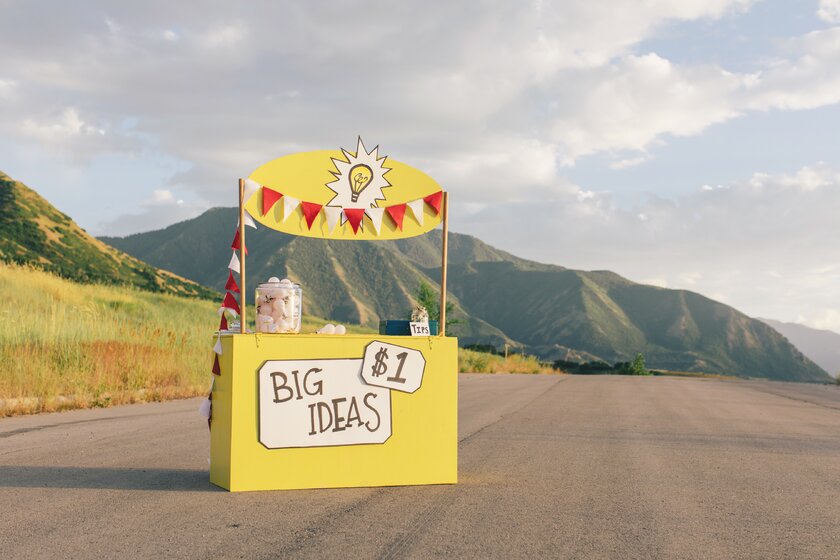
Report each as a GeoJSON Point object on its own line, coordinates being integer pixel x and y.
{"type": "Point", "coordinates": [319, 403]}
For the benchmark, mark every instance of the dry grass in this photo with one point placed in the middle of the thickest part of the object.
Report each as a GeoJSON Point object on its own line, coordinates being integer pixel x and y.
{"type": "Point", "coordinates": [66, 345]}
{"type": "Point", "coordinates": [470, 361]}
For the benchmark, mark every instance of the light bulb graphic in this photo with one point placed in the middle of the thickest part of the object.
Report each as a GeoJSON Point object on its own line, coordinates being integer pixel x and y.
{"type": "Point", "coordinates": [359, 177]}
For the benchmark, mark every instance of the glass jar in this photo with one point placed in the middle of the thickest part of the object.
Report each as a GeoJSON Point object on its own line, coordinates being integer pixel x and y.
{"type": "Point", "coordinates": [278, 306]}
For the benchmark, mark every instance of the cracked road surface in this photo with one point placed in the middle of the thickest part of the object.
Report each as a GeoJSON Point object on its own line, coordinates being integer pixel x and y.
{"type": "Point", "coordinates": [549, 466]}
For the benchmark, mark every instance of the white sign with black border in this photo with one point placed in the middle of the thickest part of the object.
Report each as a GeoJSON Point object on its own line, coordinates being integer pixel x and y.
{"type": "Point", "coordinates": [320, 403]}
{"type": "Point", "coordinates": [393, 367]}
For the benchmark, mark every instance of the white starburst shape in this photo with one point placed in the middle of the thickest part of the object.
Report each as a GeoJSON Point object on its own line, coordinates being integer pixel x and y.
{"type": "Point", "coordinates": [359, 178]}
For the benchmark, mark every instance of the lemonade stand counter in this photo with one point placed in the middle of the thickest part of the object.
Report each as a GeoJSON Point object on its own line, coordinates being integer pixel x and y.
{"type": "Point", "coordinates": [293, 410]}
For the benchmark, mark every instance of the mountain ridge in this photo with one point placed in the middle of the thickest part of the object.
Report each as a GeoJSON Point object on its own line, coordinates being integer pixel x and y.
{"type": "Point", "coordinates": [33, 232]}
{"type": "Point", "coordinates": [820, 345]}
{"type": "Point", "coordinates": [547, 309]}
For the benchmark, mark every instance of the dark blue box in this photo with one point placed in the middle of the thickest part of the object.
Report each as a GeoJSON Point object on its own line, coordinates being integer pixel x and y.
{"type": "Point", "coordinates": [402, 328]}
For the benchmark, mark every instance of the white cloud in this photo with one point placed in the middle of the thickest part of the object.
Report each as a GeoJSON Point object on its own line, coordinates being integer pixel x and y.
{"type": "Point", "coordinates": [7, 88]}
{"type": "Point", "coordinates": [828, 319]}
{"type": "Point", "coordinates": [68, 125]}
{"type": "Point", "coordinates": [162, 197]}
{"type": "Point", "coordinates": [630, 162]}
{"type": "Point", "coordinates": [223, 36]}
{"type": "Point", "coordinates": [829, 10]}
{"type": "Point", "coordinates": [451, 91]}
{"type": "Point", "coordinates": [765, 244]}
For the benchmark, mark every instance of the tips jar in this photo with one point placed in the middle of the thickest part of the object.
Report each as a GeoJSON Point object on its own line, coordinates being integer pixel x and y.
{"type": "Point", "coordinates": [278, 306]}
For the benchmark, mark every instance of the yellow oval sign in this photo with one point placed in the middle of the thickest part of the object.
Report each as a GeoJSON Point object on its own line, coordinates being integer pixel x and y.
{"type": "Point", "coordinates": [336, 194]}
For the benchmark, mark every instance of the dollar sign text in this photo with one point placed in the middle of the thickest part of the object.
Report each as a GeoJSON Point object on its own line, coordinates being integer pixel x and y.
{"type": "Point", "coordinates": [380, 367]}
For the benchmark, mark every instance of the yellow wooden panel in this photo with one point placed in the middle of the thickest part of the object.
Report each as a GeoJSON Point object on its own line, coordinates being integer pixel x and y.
{"type": "Point", "coordinates": [305, 176]}
{"type": "Point", "coordinates": [422, 448]}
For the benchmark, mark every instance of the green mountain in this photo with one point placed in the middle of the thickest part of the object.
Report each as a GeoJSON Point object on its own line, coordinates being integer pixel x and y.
{"type": "Point", "coordinates": [353, 282]}
{"type": "Point", "coordinates": [548, 310]}
{"type": "Point", "coordinates": [33, 232]}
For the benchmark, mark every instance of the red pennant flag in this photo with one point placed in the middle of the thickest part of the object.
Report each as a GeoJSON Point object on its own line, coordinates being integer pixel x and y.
{"type": "Point", "coordinates": [223, 325]}
{"type": "Point", "coordinates": [270, 198]}
{"type": "Point", "coordinates": [310, 212]}
{"type": "Point", "coordinates": [354, 216]}
{"type": "Point", "coordinates": [231, 283]}
{"type": "Point", "coordinates": [434, 201]}
{"type": "Point", "coordinates": [217, 369]}
{"type": "Point", "coordinates": [397, 214]}
{"type": "Point", "coordinates": [237, 243]}
{"type": "Point", "coordinates": [230, 302]}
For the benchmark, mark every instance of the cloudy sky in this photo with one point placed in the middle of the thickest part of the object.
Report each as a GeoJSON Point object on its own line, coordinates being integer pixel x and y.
{"type": "Point", "coordinates": [684, 143]}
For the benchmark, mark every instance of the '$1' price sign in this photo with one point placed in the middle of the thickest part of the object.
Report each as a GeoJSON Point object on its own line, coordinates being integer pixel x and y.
{"type": "Point", "coordinates": [393, 367]}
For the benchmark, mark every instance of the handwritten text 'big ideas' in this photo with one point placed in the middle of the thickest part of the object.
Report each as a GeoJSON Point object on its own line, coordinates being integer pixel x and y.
{"type": "Point", "coordinates": [313, 403]}
{"type": "Point", "coordinates": [338, 414]}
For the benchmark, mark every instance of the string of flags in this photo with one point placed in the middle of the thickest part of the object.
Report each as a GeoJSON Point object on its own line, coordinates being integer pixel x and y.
{"type": "Point", "coordinates": [354, 216]}
{"type": "Point", "coordinates": [229, 305]}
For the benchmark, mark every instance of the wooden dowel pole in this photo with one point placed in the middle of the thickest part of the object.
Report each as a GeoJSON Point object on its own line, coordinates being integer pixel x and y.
{"type": "Point", "coordinates": [242, 290]}
{"type": "Point", "coordinates": [444, 255]}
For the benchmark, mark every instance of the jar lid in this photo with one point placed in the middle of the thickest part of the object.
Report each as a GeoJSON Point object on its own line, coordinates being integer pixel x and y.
{"type": "Point", "coordinates": [281, 284]}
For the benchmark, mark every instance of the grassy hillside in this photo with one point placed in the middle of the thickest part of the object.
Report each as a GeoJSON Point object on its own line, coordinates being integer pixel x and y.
{"type": "Point", "coordinates": [68, 345]}
{"type": "Point", "coordinates": [34, 232]}
{"type": "Point", "coordinates": [547, 310]}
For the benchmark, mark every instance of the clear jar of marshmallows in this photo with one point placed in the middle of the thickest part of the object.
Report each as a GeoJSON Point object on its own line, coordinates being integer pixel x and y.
{"type": "Point", "coordinates": [278, 306]}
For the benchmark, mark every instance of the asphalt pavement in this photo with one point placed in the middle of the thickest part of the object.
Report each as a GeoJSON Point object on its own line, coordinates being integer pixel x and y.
{"type": "Point", "coordinates": [550, 466]}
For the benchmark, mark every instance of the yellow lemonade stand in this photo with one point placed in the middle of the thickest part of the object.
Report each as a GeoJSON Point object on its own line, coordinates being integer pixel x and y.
{"type": "Point", "coordinates": [325, 411]}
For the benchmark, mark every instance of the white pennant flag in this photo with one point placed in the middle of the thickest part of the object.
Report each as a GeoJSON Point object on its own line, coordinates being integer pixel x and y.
{"type": "Point", "coordinates": [234, 263]}
{"type": "Point", "coordinates": [289, 205]}
{"type": "Point", "coordinates": [417, 209]}
{"type": "Point", "coordinates": [249, 221]}
{"type": "Point", "coordinates": [204, 408]}
{"type": "Point", "coordinates": [232, 312]}
{"type": "Point", "coordinates": [251, 187]}
{"type": "Point", "coordinates": [333, 213]}
{"type": "Point", "coordinates": [217, 348]}
{"type": "Point", "coordinates": [375, 215]}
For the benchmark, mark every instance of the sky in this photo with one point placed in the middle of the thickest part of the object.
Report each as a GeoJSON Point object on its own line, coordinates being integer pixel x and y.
{"type": "Point", "coordinates": [686, 143]}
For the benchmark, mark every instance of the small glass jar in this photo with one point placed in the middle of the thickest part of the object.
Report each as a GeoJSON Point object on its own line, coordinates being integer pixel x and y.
{"type": "Point", "coordinates": [278, 306]}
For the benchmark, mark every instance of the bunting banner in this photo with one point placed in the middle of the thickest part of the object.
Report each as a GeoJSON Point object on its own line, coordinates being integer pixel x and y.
{"type": "Point", "coordinates": [434, 200]}
{"type": "Point", "coordinates": [251, 188]}
{"type": "Point", "coordinates": [354, 216]}
{"type": "Point", "coordinates": [310, 212]}
{"type": "Point", "coordinates": [289, 206]}
{"type": "Point", "coordinates": [269, 199]}
{"type": "Point", "coordinates": [230, 303]}
{"type": "Point", "coordinates": [223, 324]}
{"type": "Point", "coordinates": [204, 408]}
{"type": "Point", "coordinates": [333, 214]}
{"type": "Point", "coordinates": [397, 213]}
{"type": "Point", "coordinates": [375, 216]}
{"type": "Point", "coordinates": [237, 243]}
{"type": "Point", "coordinates": [217, 348]}
{"type": "Point", "coordinates": [234, 263]}
{"type": "Point", "coordinates": [217, 369]}
{"type": "Point", "coordinates": [231, 284]}
{"type": "Point", "coordinates": [417, 209]}
{"type": "Point", "coordinates": [335, 189]}
{"type": "Point", "coordinates": [249, 221]}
